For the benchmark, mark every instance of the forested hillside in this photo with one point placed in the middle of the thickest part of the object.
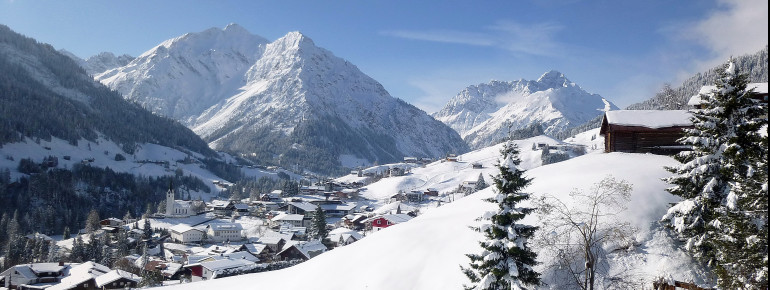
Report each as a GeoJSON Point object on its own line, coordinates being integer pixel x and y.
{"type": "Point", "coordinates": [675, 98]}
{"type": "Point", "coordinates": [45, 94]}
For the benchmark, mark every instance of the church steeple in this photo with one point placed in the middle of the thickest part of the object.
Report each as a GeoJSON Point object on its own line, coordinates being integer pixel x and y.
{"type": "Point", "coordinates": [170, 199]}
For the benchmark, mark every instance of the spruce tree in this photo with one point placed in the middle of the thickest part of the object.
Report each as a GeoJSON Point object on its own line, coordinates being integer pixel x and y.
{"type": "Point", "coordinates": [723, 184]}
{"type": "Point", "coordinates": [506, 260]}
{"type": "Point", "coordinates": [319, 224]}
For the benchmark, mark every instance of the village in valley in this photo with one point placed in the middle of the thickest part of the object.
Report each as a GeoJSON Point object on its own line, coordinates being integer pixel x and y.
{"type": "Point", "coordinates": [287, 145]}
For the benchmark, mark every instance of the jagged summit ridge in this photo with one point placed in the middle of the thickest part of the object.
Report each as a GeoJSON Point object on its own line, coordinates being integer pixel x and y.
{"type": "Point", "coordinates": [482, 114]}
{"type": "Point", "coordinates": [279, 100]}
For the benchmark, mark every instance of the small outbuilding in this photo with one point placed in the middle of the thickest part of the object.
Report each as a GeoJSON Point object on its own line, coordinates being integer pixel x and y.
{"type": "Point", "coordinates": [645, 131]}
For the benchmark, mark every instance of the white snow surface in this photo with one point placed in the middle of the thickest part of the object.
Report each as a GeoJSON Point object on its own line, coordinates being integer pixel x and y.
{"type": "Point", "coordinates": [650, 118]}
{"type": "Point", "coordinates": [426, 252]}
{"type": "Point", "coordinates": [481, 113]}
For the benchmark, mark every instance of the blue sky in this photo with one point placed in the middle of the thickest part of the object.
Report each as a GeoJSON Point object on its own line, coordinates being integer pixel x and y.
{"type": "Point", "coordinates": [425, 52]}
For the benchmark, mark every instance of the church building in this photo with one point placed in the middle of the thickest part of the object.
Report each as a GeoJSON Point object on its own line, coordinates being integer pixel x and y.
{"type": "Point", "coordinates": [177, 208]}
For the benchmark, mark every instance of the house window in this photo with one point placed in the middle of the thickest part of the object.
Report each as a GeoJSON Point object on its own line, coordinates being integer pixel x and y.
{"type": "Point", "coordinates": [379, 222]}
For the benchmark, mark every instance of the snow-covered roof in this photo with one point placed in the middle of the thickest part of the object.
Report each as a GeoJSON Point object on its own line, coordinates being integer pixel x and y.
{"type": "Point", "coordinates": [288, 217]}
{"type": "Point", "coordinates": [241, 206]}
{"type": "Point", "coordinates": [338, 206]}
{"type": "Point", "coordinates": [226, 227]}
{"type": "Point", "coordinates": [759, 88]}
{"type": "Point", "coordinates": [270, 240]}
{"type": "Point", "coordinates": [255, 248]}
{"type": "Point", "coordinates": [235, 256]}
{"type": "Point", "coordinates": [115, 275]}
{"type": "Point", "coordinates": [306, 206]}
{"type": "Point", "coordinates": [653, 119]}
{"type": "Point", "coordinates": [225, 264]}
{"type": "Point", "coordinates": [81, 273]}
{"type": "Point", "coordinates": [182, 228]}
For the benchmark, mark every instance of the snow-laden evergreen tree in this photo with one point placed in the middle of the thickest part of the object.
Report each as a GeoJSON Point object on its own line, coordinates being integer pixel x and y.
{"type": "Point", "coordinates": [723, 184]}
{"type": "Point", "coordinates": [318, 229]}
{"type": "Point", "coordinates": [506, 260]}
{"type": "Point", "coordinates": [481, 183]}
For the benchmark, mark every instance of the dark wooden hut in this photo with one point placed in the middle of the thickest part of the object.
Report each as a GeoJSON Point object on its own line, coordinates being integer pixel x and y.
{"type": "Point", "coordinates": [644, 131]}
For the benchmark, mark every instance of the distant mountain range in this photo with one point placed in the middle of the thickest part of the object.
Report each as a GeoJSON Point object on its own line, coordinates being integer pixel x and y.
{"type": "Point", "coordinates": [485, 114]}
{"type": "Point", "coordinates": [286, 102]}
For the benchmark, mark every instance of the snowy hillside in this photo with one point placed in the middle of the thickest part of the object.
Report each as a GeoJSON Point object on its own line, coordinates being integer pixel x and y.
{"type": "Point", "coordinates": [99, 63]}
{"type": "Point", "coordinates": [148, 160]}
{"type": "Point", "coordinates": [287, 101]}
{"type": "Point", "coordinates": [483, 113]}
{"type": "Point", "coordinates": [426, 252]}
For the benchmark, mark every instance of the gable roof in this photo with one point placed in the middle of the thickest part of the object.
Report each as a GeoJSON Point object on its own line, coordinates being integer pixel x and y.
{"type": "Point", "coordinates": [225, 227]}
{"type": "Point", "coordinates": [115, 275]}
{"type": "Point", "coordinates": [182, 228]}
{"type": "Point", "coordinates": [651, 119]}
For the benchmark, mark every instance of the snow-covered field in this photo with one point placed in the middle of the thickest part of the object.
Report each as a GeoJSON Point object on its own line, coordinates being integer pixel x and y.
{"type": "Point", "coordinates": [426, 252]}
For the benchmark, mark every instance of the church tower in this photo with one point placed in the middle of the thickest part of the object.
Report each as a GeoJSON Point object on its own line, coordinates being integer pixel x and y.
{"type": "Point", "coordinates": [170, 200]}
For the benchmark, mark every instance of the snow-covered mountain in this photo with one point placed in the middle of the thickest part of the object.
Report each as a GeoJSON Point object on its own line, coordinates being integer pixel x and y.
{"type": "Point", "coordinates": [101, 62]}
{"type": "Point", "coordinates": [286, 102]}
{"type": "Point", "coordinates": [483, 114]}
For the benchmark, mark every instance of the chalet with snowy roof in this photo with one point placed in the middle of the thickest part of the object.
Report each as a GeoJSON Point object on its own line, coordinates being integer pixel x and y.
{"type": "Point", "coordinates": [222, 207]}
{"type": "Point", "coordinates": [760, 93]}
{"type": "Point", "coordinates": [383, 221]}
{"type": "Point", "coordinates": [183, 233]}
{"type": "Point", "coordinates": [222, 232]}
{"type": "Point", "coordinates": [220, 268]}
{"type": "Point", "coordinates": [232, 256]}
{"type": "Point", "coordinates": [261, 251]}
{"type": "Point", "coordinates": [82, 276]}
{"type": "Point", "coordinates": [296, 220]}
{"type": "Point", "coordinates": [644, 131]}
{"type": "Point", "coordinates": [274, 242]}
{"type": "Point", "coordinates": [342, 236]}
{"type": "Point", "coordinates": [302, 251]}
{"type": "Point", "coordinates": [31, 274]}
{"type": "Point", "coordinates": [117, 279]}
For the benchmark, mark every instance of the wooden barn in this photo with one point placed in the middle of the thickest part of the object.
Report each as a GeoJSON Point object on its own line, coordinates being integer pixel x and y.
{"type": "Point", "coordinates": [644, 131]}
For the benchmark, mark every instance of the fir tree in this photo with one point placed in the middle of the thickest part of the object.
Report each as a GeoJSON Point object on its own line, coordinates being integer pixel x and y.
{"type": "Point", "coordinates": [481, 183]}
{"type": "Point", "coordinates": [723, 184]}
{"type": "Point", "coordinates": [92, 221]}
{"type": "Point", "coordinates": [506, 260]}
{"type": "Point", "coordinates": [319, 224]}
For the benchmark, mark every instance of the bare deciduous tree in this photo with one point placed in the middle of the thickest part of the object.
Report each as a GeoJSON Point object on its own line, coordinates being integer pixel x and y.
{"type": "Point", "coordinates": [578, 233]}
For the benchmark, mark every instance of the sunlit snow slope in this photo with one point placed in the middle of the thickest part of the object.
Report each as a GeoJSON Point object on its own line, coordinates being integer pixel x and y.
{"type": "Point", "coordinates": [426, 252]}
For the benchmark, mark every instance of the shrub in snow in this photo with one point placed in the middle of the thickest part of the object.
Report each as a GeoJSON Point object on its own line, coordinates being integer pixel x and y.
{"type": "Point", "coordinates": [506, 260]}
{"type": "Point", "coordinates": [723, 184]}
{"type": "Point", "coordinates": [579, 232]}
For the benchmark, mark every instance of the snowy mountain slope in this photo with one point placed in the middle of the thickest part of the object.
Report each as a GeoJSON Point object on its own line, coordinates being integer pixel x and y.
{"type": "Point", "coordinates": [484, 114]}
{"type": "Point", "coordinates": [99, 63]}
{"type": "Point", "coordinates": [182, 77]}
{"type": "Point", "coordinates": [426, 252]}
{"type": "Point", "coordinates": [446, 176]}
{"type": "Point", "coordinates": [283, 102]}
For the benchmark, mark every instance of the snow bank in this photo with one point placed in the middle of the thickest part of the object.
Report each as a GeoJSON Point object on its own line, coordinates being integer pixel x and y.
{"type": "Point", "coordinates": [426, 252]}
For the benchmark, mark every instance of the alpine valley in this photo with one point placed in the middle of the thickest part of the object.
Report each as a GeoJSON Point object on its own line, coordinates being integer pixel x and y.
{"type": "Point", "coordinates": [286, 102]}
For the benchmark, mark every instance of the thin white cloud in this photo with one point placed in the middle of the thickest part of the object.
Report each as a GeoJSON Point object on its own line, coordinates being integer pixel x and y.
{"type": "Point", "coordinates": [738, 27]}
{"type": "Point", "coordinates": [446, 36]}
{"type": "Point", "coordinates": [532, 39]}
{"type": "Point", "coordinates": [535, 39]}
